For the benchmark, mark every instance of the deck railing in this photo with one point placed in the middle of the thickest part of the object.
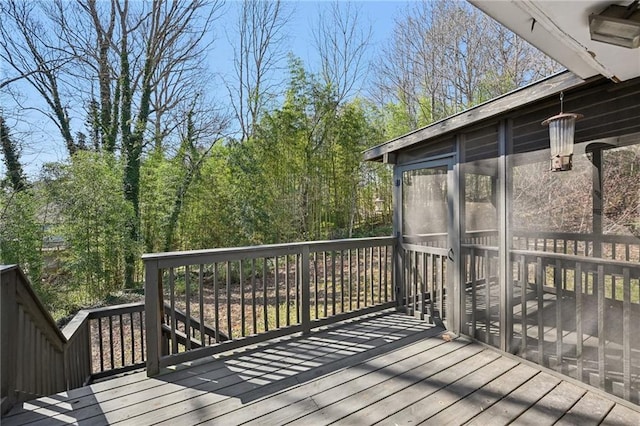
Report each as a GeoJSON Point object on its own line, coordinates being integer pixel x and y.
{"type": "Point", "coordinates": [33, 348]}
{"type": "Point", "coordinates": [117, 338]}
{"type": "Point", "coordinates": [569, 310]}
{"type": "Point", "coordinates": [199, 303]}
{"type": "Point", "coordinates": [607, 246]}
{"type": "Point", "coordinates": [579, 315]}
{"type": "Point", "coordinates": [39, 359]}
{"type": "Point", "coordinates": [425, 282]}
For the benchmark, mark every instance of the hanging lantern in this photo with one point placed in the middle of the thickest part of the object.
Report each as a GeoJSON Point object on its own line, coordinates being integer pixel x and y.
{"type": "Point", "coordinates": [561, 133]}
{"type": "Point", "coordinates": [379, 205]}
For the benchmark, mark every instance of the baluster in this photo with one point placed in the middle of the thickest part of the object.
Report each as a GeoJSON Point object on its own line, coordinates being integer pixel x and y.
{"type": "Point", "coordinates": [601, 330]}
{"type": "Point", "coordinates": [229, 326]}
{"type": "Point", "coordinates": [371, 275]}
{"type": "Point", "coordinates": [540, 316]}
{"type": "Point", "coordinates": [613, 276]}
{"type": "Point", "coordinates": [440, 282]}
{"type": "Point", "coordinates": [20, 355]}
{"type": "Point", "coordinates": [358, 278]}
{"type": "Point", "coordinates": [253, 296]}
{"type": "Point", "coordinates": [379, 274]}
{"type": "Point", "coordinates": [187, 320]}
{"type": "Point", "coordinates": [305, 283]}
{"type": "Point", "coordinates": [111, 355]}
{"type": "Point", "coordinates": [265, 313]}
{"type": "Point", "coordinates": [423, 289]}
{"type": "Point", "coordinates": [626, 332]}
{"type": "Point", "coordinates": [298, 286]}
{"type": "Point", "coordinates": [341, 280]}
{"type": "Point", "coordinates": [524, 279]}
{"type": "Point", "coordinates": [242, 302]}
{"type": "Point", "coordinates": [579, 338]}
{"type": "Point", "coordinates": [216, 302]}
{"type": "Point", "coordinates": [201, 302]}
{"type": "Point", "coordinates": [142, 351]}
{"type": "Point", "coordinates": [133, 340]}
{"type": "Point", "coordinates": [172, 301]}
{"type": "Point", "coordinates": [414, 281]}
{"type": "Point", "coordinates": [101, 344]}
{"type": "Point", "coordinates": [627, 252]}
{"type": "Point", "coordinates": [46, 370]}
{"type": "Point", "coordinates": [333, 282]}
{"type": "Point", "coordinates": [315, 282]}
{"type": "Point", "coordinates": [288, 290]}
{"type": "Point", "coordinates": [386, 272]}
{"type": "Point", "coordinates": [122, 351]}
{"type": "Point", "coordinates": [277, 290]}
{"type": "Point", "coordinates": [349, 282]}
{"type": "Point", "coordinates": [559, 326]}
{"type": "Point", "coordinates": [326, 288]}
{"type": "Point", "coordinates": [487, 289]}
{"type": "Point", "coordinates": [365, 284]}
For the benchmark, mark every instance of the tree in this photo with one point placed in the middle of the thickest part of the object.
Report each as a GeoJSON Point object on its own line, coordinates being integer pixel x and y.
{"type": "Point", "coordinates": [21, 233]}
{"type": "Point", "coordinates": [342, 43]}
{"type": "Point", "coordinates": [15, 174]}
{"type": "Point", "coordinates": [259, 52]}
{"type": "Point", "coordinates": [93, 213]}
{"type": "Point", "coordinates": [307, 156]}
{"type": "Point", "coordinates": [439, 62]}
{"type": "Point", "coordinates": [29, 51]}
{"type": "Point", "coordinates": [137, 56]}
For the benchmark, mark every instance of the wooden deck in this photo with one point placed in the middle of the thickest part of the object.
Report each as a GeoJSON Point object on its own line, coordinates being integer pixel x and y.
{"type": "Point", "coordinates": [385, 368]}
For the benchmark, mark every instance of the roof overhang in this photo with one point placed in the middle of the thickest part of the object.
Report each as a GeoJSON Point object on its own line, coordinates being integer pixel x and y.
{"type": "Point", "coordinates": [560, 29]}
{"type": "Point", "coordinates": [549, 86]}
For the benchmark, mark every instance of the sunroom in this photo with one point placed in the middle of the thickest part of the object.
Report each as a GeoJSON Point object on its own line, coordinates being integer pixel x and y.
{"type": "Point", "coordinates": [498, 246]}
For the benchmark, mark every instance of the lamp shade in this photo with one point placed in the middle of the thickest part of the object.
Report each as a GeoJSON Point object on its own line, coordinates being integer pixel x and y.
{"type": "Point", "coordinates": [561, 135]}
{"type": "Point", "coordinates": [379, 202]}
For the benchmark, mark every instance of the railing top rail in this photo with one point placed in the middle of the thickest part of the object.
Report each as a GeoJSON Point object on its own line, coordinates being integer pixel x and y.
{"type": "Point", "coordinates": [191, 257]}
{"type": "Point", "coordinates": [7, 268]}
{"type": "Point", "coordinates": [481, 247]}
{"type": "Point", "coordinates": [482, 232]}
{"type": "Point", "coordinates": [82, 316]}
{"type": "Point", "coordinates": [439, 251]}
{"type": "Point", "coordinates": [577, 236]}
{"type": "Point", "coordinates": [75, 324]}
{"type": "Point", "coordinates": [107, 311]}
{"type": "Point", "coordinates": [575, 258]}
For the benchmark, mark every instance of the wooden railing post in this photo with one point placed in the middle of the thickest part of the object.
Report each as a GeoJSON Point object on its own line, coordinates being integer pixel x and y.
{"type": "Point", "coordinates": [153, 316]}
{"type": "Point", "coordinates": [398, 276]}
{"type": "Point", "coordinates": [306, 292]}
{"type": "Point", "coordinates": [10, 339]}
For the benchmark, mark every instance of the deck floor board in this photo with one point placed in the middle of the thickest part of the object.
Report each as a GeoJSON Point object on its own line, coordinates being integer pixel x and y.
{"type": "Point", "coordinates": [383, 368]}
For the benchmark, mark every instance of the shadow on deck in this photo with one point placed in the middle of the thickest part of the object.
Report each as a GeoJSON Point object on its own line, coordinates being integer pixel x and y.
{"type": "Point", "coordinates": [386, 368]}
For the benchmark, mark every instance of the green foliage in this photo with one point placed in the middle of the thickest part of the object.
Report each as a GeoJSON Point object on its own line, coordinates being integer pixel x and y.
{"type": "Point", "coordinates": [209, 216]}
{"type": "Point", "coordinates": [94, 215]}
{"type": "Point", "coordinates": [159, 181]}
{"type": "Point", "coordinates": [300, 177]}
{"type": "Point", "coordinates": [308, 163]}
{"type": "Point", "coordinates": [21, 234]}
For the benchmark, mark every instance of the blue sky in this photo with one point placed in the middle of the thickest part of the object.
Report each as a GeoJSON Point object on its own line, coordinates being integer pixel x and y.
{"type": "Point", "coordinates": [43, 142]}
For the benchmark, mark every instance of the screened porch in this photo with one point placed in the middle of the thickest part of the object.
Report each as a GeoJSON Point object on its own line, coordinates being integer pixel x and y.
{"type": "Point", "coordinates": [542, 264]}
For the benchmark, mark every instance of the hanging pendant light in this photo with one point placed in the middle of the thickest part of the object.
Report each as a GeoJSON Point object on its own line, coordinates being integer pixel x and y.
{"type": "Point", "coordinates": [561, 134]}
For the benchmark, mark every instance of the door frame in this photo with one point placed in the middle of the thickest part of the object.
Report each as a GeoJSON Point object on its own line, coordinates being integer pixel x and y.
{"type": "Point", "coordinates": [453, 299]}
